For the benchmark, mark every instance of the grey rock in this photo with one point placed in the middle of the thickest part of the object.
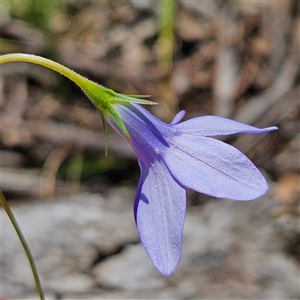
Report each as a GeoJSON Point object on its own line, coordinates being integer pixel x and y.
{"type": "Point", "coordinates": [86, 247]}
{"type": "Point", "coordinates": [65, 237]}
{"type": "Point", "coordinates": [129, 270]}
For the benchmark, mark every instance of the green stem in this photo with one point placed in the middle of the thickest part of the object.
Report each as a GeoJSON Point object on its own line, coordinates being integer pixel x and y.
{"type": "Point", "coordinates": [72, 75]}
{"type": "Point", "coordinates": [100, 96]}
{"type": "Point", "coordinates": [24, 244]}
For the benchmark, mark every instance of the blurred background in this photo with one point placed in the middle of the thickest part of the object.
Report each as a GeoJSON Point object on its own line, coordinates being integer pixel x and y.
{"type": "Point", "coordinates": [236, 59]}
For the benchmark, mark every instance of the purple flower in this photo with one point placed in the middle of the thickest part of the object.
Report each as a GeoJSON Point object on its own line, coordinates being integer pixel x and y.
{"type": "Point", "coordinates": [172, 157]}
{"type": "Point", "coordinates": [176, 156]}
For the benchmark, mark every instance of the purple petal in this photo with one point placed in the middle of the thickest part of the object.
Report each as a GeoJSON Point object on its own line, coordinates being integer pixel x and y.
{"type": "Point", "coordinates": [214, 125]}
{"type": "Point", "coordinates": [159, 212]}
{"type": "Point", "coordinates": [178, 117]}
{"type": "Point", "coordinates": [212, 167]}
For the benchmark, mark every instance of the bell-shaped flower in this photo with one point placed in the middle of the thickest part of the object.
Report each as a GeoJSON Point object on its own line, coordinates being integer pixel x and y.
{"type": "Point", "coordinates": [172, 157]}
{"type": "Point", "coordinates": [176, 156]}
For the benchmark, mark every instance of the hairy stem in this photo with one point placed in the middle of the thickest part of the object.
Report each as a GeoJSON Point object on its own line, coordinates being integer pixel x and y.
{"type": "Point", "coordinates": [72, 75]}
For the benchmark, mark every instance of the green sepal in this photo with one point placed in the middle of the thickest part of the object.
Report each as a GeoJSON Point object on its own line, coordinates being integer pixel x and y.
{"type": "Point", "coordinates": [132, 99]}
{"type": "Point", "coordinates": [105, 134]}
{"type": "Point", "coordinates": [129, 98]}
{"type": "Point", "coordinates": [103, 99]}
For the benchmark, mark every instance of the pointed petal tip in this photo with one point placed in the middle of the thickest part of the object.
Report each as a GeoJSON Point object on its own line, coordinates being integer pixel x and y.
{"type": "Point", "coordinates": [166, 269]}
{"type": "Point", "coordinates": [166, 263]}
{"type": "Point", "coordinates": [178, 117]}
{"type": "Point", "coordinates": [167, 273]}
{"type": "Point", "coordinates": [272, 128]}
{"type": "Point", "coordinates": [263, 191]}
{"type": "Point", "coordinates": [255, 192]}
{"type": "Point", "coordinates": [215, 125]}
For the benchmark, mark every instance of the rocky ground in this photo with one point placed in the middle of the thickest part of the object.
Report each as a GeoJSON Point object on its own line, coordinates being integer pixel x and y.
{"type": "Point", "coordinates": [86, 247]}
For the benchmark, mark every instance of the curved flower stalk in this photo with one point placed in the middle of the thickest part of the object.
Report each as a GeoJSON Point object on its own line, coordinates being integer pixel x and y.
{"type": "Point", "coordinates": [172, 157]}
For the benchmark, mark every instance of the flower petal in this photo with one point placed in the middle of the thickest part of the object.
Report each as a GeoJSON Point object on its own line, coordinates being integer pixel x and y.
{"type": "Point", "coordinates": [178, 117]}
{"type": "Point", "coordinates": [214, 125]}
{"type": "Point", "coordinates": [212, 167]}
{"type": "Point", "coordinates": [159, 211]}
